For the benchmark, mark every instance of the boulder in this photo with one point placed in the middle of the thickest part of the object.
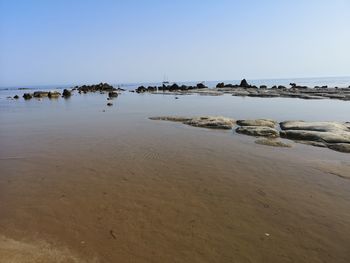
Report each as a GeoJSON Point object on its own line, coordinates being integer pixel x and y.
{"type": "Point", "coordinates": [271, 142]}
{"type": "Point", "coordinates": [16, 97]}
{"type": "Point", "coordinates": [258, 122]}
{"type": "Point", "coordinates": [66, 93]}
{"type": "Point", "coordinates": [220, 85]}
{"type": "Point", "coordinates": [258, 131]}
{"type": "Point", "coordinates": [109, 104]}
{"type": "Point", "coordinates": [27, 96]}
{"type": "Point", "coordinates": [244, 84]}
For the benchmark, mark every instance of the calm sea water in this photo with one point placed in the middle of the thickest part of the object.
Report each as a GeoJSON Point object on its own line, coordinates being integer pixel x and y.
{"type": "Point", "coordinates": [140, 106]}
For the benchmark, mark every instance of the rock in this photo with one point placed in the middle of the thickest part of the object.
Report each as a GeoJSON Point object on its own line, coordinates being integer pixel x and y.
{"type": "Point", "coordinates": [141, 89]}
{"type": "Point", "coordinates": [96, 87]}
{"type": "Point", "coordinates": [40, 94]}
{"type": "Point", "coordinates": [201, 86]}
{"type": "Point", "coordinates": [340, 147]}
{"type": "Point", "coordinates": [258, 131]}
{"type": "Point", "coordinates": [314, 126]}
{"type": "Point", "coordinates": [66, 93]}
{"type": "Point", "coordinates": [244, 84]}
{"type": "Point", "coordinates": [258, 122]}
{"type": "Point", "coordinates": [109, 104]}
{"type": "Point", "coordinates": [170, 118]}
{"type": "Point", "coordinates": [54, 94]}
{"type": "Point", "coordinates": [312, 143]}
{"type": "Point", "coordinates": [16, 97]}
{"type": "Point", "coordinates": [112, 94]}
{"type": "Point", "coordinates": [27, 96]}
{"type": "Point", "coordinates": [220, 85]}
{"type": "Point", "coordinates": [274, 143]}
{"type": "Point", "coordinates": [309, 135]}
{"type": "Point", "coordinates": [213, 122]}
{"type": "Point", "coordinates": [263, 87]}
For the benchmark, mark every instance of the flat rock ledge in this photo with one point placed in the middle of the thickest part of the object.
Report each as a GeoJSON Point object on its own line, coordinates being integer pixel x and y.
{"type": "Point", "coordinates": [258, 122]}
{"type": "Point", "coordinates": [212, 122]}
{"type": "Point", "coordinates": [258, 131]}
{"type": "Point", "coordinates": [334, 135]}
{"type": "Point", "coordinates": [273, 142]}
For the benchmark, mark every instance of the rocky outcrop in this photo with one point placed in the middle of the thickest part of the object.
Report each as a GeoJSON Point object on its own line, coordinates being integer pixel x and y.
{"type": "Point", "coordinates": [272, 142]}
{"type": "Point", "coordinates": [333, 135]}
{"type": "Point", "coordinates": [94, 88]}
{"type": "Point", "coordinates": [170, 88]}
{"type": "Point", "coordinates": [258, 131]}
{"type": "Point", "coordinates": [212, 122]}
{"type": "Point", "coordinates": [257, 122]}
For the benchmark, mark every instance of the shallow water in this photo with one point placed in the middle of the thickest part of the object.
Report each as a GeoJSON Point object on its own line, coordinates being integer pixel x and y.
{"type": "Point", "coordinates": [109, 185]}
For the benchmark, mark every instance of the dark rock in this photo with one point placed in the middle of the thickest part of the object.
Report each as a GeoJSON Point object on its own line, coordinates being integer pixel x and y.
{"type": "Point", "coordinates": [112, 94]}
{"type": "Point", "coordinates": [54, 94]}
{"type": "Point", "coordinates": [220, 85]}
{"type": "Point", "coordinates": [201, 86]}
{"type": "Point", "coordinates": [40, 94]}
{"type": "Point", "coordinates": [66, 93]}
{"type": "Point", "coordinates": [244, 84]}
{"type": "Point", "coordinates": [16, 97]}
{"type": "Point", "coordinates": [27, 96]}
{"type": "Point", "coordinates": [263, 87]}
{"type": "Point", "coordinates": [109, 104]}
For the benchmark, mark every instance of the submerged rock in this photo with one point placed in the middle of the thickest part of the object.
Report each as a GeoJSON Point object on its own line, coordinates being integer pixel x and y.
{"type": "Point", "coordinates": [109, 104]}
{"type": "Point", "coordinates": [257, 122]}
{"type": "Point", "coordinates": [16, 97]}
{"type": "Point", "coordinates": [274, 143]}
{"type": "Point", "coordinates": [258, 131]}
{"type": "Point", "coordinates": [112, 94]}
{"type": "Point", "coordinates": [213, 122]}
{"type": "Point", "coordinates": [170, 118]}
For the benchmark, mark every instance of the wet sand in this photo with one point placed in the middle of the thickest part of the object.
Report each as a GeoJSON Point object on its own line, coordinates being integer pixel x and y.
{"type": "Point", "coordinates": [109, 187]}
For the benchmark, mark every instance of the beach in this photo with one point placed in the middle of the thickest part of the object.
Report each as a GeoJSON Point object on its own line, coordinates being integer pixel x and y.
{"type": "Point", "coordinates": [84, 182]}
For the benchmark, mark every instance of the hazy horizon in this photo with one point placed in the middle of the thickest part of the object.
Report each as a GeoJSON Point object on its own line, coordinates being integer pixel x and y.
{"type": "Point", "coordinates": [61, 43]}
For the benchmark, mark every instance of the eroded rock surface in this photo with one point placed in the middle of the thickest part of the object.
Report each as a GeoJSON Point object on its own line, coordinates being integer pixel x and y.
{"type": "Point", "coordinates": [272, 142]}
{"type": "Point", "coordinates": [258, 122]}
{"type": "Point", "coordinates": [213, 122]}
{"type": "Point", "coordinates": [258, 131]}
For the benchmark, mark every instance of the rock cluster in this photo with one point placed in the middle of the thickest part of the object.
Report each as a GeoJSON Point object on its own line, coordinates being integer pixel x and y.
{"type": "Point", "coordinates": [171, 88]}
{"type": "Point", "coordinates": [333, 135]}
{"type": "Point", "coordinates": [102, 87]}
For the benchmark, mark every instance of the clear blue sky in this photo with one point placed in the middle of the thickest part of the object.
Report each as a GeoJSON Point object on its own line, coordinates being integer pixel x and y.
{"type": "Point", "coordinates": [83, 41]}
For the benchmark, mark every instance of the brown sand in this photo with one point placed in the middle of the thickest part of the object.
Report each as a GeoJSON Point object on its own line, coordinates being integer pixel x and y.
{"type": "Point", "coordinates": [169, 193]}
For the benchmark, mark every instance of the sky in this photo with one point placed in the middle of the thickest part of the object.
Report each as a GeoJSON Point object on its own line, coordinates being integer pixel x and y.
{"type": "Point", "coordinates": [83, 41]}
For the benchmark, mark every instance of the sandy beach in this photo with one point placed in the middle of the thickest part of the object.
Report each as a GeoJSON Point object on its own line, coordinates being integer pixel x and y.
{"type": "Point", "coordinates": [83, 182]}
